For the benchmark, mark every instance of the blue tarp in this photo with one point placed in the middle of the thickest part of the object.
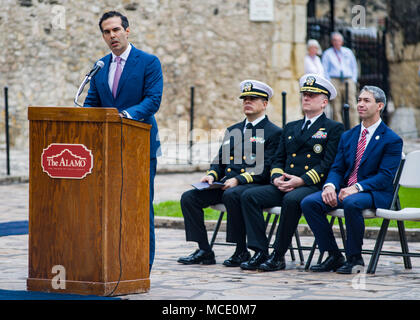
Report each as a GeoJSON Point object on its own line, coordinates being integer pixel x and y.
{"type": "Point", "coordinates": [14, 228]}
{"type": "Point", "coordinates": [32, 295]}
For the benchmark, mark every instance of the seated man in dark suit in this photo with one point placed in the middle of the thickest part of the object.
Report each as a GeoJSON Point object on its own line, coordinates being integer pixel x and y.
{"type": "Point", "coordinates": [305, 154]}
{"type": "Point", "coordinates": [242, 163]}
{"type": "Point", "coordinates": [361, 177]}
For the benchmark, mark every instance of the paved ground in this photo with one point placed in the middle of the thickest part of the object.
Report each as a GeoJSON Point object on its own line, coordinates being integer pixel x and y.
{"type": "Point", "coordinates": [170, 280]}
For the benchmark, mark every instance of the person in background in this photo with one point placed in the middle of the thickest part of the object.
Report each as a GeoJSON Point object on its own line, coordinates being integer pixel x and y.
{"type": "Point", "coordinates": [312, 62]}
{"type": "Point", "coordinates": [340, 67]}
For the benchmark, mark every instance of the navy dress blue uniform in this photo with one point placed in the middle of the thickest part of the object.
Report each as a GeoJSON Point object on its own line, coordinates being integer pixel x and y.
{"type": "Point", "coordinates": [304, 151]}
{"type": "Point", "coordinates": [308, 155]}
{"type": "Point", "coordinates": [242, 163]}
{"type": "Point", "coordinates": [229, 163]}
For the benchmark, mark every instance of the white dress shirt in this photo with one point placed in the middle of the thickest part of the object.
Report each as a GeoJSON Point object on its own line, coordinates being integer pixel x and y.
{"type": "Point", "coordinates": [339, 63]}
{"type": "Point", "coordinates": [113, 65]}
{"type": "Point", "coordinates": [371, 130]}
{"type": "Point", "coordinates": [255, 122]}
{"type": "Point", "coordinates": [113, 68]}
{"type": "Point", "coordinates": [311, 119]}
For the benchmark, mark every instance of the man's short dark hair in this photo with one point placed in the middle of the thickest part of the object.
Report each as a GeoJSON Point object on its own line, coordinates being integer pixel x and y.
{"type": "Point", "coordinates": [110, 14]}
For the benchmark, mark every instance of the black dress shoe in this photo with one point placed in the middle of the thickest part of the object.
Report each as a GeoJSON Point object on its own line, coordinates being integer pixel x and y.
{"type": "Point", "coordinates": [332, 263]}
{"type": "Point", "coordinates": [237, 258]}
{"type": "Point", "coordinates": [352, 265]}
{"type": "Point", "coordinates": [199, 256]}
{"type": "Point", "coordinates": [273, 263]}
{"type": "Point", "coordinates": [258, 258]}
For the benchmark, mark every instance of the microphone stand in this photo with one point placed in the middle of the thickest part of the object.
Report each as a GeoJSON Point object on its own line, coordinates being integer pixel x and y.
{"type": "Point", "coordinates": [86, 80]}
{"type": "Point", "coordinates": [79, 92]}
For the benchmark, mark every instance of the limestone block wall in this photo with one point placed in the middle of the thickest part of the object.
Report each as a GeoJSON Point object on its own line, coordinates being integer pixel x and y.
{"type": "Point", "coordinates": [212, 45]}
{"type": "Point", "coordinates": [374, 10]}
{"type": "Point", "coordinates": [403, 54]}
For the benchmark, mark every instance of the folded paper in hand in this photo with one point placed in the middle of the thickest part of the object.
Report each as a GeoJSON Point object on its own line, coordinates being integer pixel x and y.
{"type": "Point", "coordinates": [206, 186]}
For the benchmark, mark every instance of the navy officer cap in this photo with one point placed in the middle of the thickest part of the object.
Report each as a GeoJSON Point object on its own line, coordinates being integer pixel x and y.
{"type": "Point", "coordinates": [315, 83]}
{"type": "Point", "coordinates": [255, 88]}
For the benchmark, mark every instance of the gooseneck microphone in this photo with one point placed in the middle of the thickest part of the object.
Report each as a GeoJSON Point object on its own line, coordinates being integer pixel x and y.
{"type": "Point", "coordinates": [98, 65]}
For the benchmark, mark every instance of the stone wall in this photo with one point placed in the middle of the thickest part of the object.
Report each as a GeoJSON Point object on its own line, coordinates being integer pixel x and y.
{"type": "Point", "coordinates": [212, 45]}
{"type": "Point", "coordinates": [403, 53]}
{"type": "Point", "coordinates": [375, 10]}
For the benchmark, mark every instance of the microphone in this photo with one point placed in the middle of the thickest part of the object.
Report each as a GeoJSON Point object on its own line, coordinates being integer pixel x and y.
{"type": "Point", "coordinates": [98, 65]}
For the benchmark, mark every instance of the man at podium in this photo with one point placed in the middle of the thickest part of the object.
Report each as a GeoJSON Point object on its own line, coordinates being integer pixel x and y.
{"type": "Point", "coordinates": [131, 81]}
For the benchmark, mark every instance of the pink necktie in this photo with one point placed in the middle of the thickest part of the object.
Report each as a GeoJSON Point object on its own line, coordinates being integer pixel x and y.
{"type": "Point", "coordinates": [117, 76]}
{"type": "Point", "coordinates": [360, 150]}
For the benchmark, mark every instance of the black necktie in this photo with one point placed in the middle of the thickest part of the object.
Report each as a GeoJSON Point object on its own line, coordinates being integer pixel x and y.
{"type": "Point", "coordinates": [250, 128]}
{"type": "Point", "coordinates": [307, 123]}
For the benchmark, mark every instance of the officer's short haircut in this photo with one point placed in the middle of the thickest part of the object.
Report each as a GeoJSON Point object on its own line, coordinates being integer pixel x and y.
{"type": "Point", "coordinates": [377, 92]}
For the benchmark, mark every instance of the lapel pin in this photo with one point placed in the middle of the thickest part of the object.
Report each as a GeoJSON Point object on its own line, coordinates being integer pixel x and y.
{"type": "Point", "coordinates": [377, 137]}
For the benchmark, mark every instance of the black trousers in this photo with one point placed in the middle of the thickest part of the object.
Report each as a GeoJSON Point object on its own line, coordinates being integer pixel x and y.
{"type": "Point", "coordinates": [194, 201]}
{"type": "Point", "coordinates": [255, 200]}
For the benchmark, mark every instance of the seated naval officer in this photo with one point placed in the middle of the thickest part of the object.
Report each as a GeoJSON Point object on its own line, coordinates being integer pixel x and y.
{"type": "Point", "coordinates": [241, 164]}
{"type": "Point", "coordinates": [306, 151]}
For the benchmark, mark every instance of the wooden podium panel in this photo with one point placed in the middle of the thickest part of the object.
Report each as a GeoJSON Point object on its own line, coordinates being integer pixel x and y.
{"type": "Point", "coordinates": [95, 228]}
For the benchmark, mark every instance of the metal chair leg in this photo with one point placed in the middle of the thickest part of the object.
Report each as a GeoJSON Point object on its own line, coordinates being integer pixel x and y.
{"type": "Point", "coordinates": [273, 226]}
{"type": "Point", "coordinates": [310, 256]}
{"type": "Point", "coordinates": [267, 220]}
{"type": "Point", "coordinates": [216, 230]}
{"type": "Point", "coordinates": [343, 233]}
{"type": "Point", "coordinates": [378, 247]}
{"type": "Point", "coordinates": [404, 245]}
{"type": "Point", "coordinates": [292, 253]}
{"type": "Point", "coordinates": [299, 247]}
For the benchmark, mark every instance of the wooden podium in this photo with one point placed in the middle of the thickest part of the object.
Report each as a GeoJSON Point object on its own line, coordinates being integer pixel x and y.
{"type": "Point", "coordinates": [90, 234]}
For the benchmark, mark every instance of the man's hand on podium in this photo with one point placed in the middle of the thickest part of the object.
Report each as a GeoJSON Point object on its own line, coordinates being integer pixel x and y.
{"type": "Point", "coordinates": [125, 114]}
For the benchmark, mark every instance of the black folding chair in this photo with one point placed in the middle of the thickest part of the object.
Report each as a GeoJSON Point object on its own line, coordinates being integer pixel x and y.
{"type": "Point", "coordinates": [276, 211]}
{"type": "Point", "coordinates": [367, 214]}
{"type": "Point", "coordinates": [410, 178]}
